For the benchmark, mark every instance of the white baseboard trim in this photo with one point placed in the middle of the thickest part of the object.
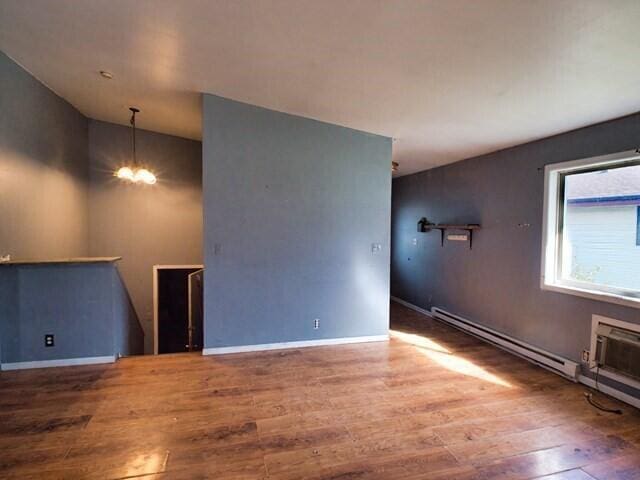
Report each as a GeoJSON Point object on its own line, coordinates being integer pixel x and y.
{"type": "Point", "coordinates": [555, 363]}
{"type": "Point", "coordinates": [623, 397]}
{"type": "Point", "coordinates": [509, 344]}
{"type": "Point", "coordinates": [411, 306]}
{"type": "Point", "coordinates": [298, 344]}
{"type": "Point", "coordinates": [64, 362]}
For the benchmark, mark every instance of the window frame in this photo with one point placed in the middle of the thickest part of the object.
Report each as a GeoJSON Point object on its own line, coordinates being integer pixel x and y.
{"type": "Point", "coordinates": [552, 229]}
{"type": "Point", "coordinates": [638, 226]}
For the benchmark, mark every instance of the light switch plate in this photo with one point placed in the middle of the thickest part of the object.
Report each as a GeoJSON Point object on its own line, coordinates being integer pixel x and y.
{"type": "Point", "coordinates": [376, 247]}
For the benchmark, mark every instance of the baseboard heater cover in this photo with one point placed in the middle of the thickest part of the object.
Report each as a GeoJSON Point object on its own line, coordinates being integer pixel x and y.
{"type": "Point", "coordinates": [550, 361]}
{"type": "Point", "coordinates": [63, 362]}
{"type": "Point", "coordinates": [294, 344]}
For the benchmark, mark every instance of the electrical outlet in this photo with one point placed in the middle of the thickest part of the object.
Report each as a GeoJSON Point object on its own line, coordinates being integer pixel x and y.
{"type": "Point", "coordinates": [585, 356]}
{"type": "Point", "coordinates": [49, 340]}
{"type": "Point", "coordinates": [316, 324]}
{"type": "Point", "coordinates": [376, 247]}
{"type": "Point", "coordinates": [414, 241]}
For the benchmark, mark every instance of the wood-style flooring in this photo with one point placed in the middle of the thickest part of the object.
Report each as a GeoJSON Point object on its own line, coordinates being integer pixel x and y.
{"type": "Point", "coordinates": [433, 403]}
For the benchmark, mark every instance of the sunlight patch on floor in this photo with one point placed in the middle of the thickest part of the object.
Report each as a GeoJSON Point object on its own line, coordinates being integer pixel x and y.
{"type": "Point", "coordinates": [418, 341]}
{"type": "Point", "coordinates": [147, 463]}
{"type": "Point", "coordinates": [445, 358]}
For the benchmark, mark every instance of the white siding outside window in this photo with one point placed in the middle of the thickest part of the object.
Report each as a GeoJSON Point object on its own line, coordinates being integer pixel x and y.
{"type": "Point", "coordinates": [602, 245]}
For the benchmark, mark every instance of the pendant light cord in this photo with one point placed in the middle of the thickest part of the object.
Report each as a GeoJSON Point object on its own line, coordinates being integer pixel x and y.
{"type": "Point", "coordinates": [133, 136]}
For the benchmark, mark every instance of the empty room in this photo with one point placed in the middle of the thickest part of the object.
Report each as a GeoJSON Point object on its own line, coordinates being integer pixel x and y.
{"type": "Point", "coordinates": [319, 239]}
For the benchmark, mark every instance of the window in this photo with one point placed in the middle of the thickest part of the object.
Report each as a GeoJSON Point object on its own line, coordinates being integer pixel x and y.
{"type": "Point", "coordinates": [591, 235]}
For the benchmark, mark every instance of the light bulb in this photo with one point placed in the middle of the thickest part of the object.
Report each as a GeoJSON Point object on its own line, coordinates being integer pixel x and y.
{"type": "Point", "coordinates": [144, 175]}
{"type": "Point", "coordinates": [125, 173]}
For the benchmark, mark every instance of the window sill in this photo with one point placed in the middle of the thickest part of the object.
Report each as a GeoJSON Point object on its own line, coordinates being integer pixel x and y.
{"type": "Point", "coordinates": [593, 295]}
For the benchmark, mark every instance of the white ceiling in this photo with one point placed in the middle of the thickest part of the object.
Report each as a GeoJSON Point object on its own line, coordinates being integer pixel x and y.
{"type": "Point", "coordinates": [448, 79]}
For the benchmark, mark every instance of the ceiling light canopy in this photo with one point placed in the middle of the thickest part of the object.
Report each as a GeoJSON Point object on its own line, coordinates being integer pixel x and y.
{"type": "Point", "coordinates": [135, 173]}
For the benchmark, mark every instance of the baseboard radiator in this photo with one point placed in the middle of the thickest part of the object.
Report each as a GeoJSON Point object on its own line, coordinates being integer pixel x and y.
{"type": "Point", "coordinates": [550, 361]}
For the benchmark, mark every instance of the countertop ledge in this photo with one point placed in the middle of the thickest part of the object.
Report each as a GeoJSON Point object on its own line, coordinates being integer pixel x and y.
{"type": "Point", "coordinates": [58, 261]}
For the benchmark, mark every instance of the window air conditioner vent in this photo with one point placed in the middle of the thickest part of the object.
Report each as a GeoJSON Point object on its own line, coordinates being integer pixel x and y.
{"type": "Point", "coordinates": [618, 350]}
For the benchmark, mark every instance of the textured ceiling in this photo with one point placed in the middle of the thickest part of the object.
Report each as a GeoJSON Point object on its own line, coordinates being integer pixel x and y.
{"type": "Point", "coordinates": [448, 79]}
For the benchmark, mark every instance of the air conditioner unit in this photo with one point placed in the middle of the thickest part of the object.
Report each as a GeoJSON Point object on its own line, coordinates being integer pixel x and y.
{"type": "Point", "coordinates": [618, 350]}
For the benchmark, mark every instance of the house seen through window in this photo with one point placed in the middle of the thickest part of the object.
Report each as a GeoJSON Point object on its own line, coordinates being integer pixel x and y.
{"type": "Point", "coordinates": [600, 234]}
{"type": "Point", "coordinates": [593, 228]}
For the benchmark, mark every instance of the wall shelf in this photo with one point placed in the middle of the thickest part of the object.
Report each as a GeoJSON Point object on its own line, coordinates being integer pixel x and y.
{"type": "Point", "coordinates": [469, 228]}
{"type": "Point", "coordinates": [424, 226]}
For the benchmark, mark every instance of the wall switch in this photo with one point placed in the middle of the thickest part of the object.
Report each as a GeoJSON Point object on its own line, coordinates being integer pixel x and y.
{"type": "Point", "coordinates": [217, 248]}
{"type": "Point", "coordinates": [414, 241]}
{"type": "Point", "coordinates": [48, 340]}
{"type": "Point", "coordinates": [316, 324]}
{"type": "Point", "coordinates": [376, 247]}
{"type": "Point", "coordinates": [585, 356]}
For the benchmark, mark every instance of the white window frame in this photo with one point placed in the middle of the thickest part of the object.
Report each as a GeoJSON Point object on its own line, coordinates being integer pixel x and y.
{"type": "Point", "coordinates": [552, 230]}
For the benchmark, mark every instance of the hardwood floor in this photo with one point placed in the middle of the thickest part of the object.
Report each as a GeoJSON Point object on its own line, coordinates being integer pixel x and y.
{"type": "Point", "coordinates": [433, 403]}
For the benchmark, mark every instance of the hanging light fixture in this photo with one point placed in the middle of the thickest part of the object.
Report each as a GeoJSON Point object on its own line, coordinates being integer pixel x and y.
{"type": "Point", "coordinates": [135, 173]}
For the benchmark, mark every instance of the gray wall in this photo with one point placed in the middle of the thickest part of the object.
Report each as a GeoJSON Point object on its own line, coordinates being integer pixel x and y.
{"type": "Point", "coordinates": [291, 208]}
{"type": "Point", "coordinates": [498, 282]}
{"type": "Point", "coordinates": [79, 303]}
{"type": "Point", "coordinates": [145, 225]}
{"type": "Point", "coordinates": [58, 196]}
{"type": "Point", "coordinates": [43, 169]}
{"type": "Point", "coordinates": [128, 336]}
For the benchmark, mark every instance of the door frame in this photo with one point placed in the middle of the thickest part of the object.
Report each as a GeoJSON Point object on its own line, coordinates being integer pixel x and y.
{"type": "Point", "coordinates": [190, 320]}
{"type": "Point", "coordinates": [155, 296]}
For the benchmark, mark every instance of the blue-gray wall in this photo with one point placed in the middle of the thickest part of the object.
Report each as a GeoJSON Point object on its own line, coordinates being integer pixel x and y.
{"type": "Point", "coordinates": [8, 303]}
{"type": "Point", "coordinates": [43, 176]}
{"type": "Point", "coordinates": [83, 305]}
{"type": "Point", "coordinates": [43, 170]}
{"type": "Point", "coordinates": [498, 282]}
{"type": "Point", "coordinates": [292, 207]}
